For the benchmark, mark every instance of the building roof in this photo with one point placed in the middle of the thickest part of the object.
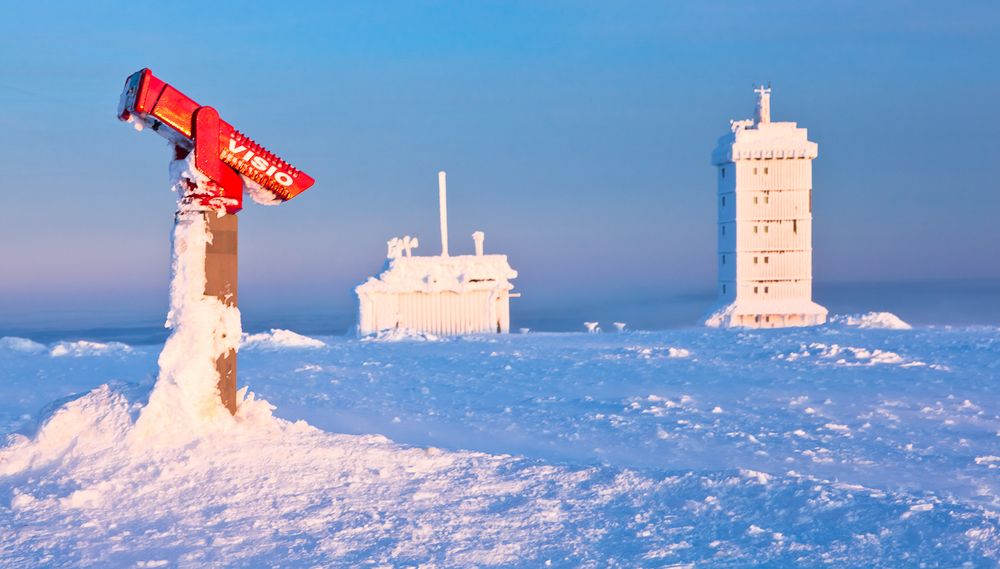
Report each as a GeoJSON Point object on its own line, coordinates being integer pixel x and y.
{"type": "Point", "coordinates": [771, 140]}
{"type": "Point", "coordinates": [759, 138]}
{"type": "Point", "coordinates": [461, 273]}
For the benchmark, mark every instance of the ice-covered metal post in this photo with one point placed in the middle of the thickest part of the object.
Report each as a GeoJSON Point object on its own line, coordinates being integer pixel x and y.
{"type": "Point", "coordinates": [443, 199]}
{"type": "Point", "coordinates": [763, 110]}
{"type": "Point", "coordinates": [478, 237]}
{"type": "Point", "coordinates": [226, 160]}
{"type": "Point", "coordinates": [222, 282]}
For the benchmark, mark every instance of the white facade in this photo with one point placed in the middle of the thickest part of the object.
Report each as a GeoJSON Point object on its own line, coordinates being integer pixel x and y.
{"type": "Point", "coordinates": [441, 294]}
{"type": "Point", "coordinates": [764, 173]}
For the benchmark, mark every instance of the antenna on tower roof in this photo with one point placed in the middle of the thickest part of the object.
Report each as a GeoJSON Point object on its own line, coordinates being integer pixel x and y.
{"type": "Point", "coordinates": [763, 103]}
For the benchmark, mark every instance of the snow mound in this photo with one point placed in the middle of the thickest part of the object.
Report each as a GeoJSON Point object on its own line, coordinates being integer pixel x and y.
{"type": "Point", "coordinates": [15, 344]}
{"type": "Point", "coordinates": [402, 335]}
{"type": "Point", "coordinates": [872, 320]}
{"type": "Point", "coordinates": [656, 352]}
{"type": "Point", "coordinates": [836, 354]}
{"type": "Point", "coordinates": [678, 352]}
{"type": "Point", "coordinates": [717, 317]}
{"type": "Point", "coordinates": [84, 348]}
{"type": "Point", "coordinates": [90, 424]}
{"type": "Point", "coordinates": [279, 339]}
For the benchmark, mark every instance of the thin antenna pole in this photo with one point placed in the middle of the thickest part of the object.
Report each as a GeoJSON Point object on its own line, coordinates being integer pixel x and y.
{"type": "Point", "coordinates": [763, 110]}
{"type": "Point", "coordinates": [443, 199]}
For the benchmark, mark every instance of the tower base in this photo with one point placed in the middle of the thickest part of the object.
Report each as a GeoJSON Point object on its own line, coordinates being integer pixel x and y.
{"type": "Point", "coordinates": [767, 314]}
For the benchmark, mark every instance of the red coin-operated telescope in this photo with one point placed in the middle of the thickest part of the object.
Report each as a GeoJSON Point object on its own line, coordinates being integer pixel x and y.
{"type": "Point", "coordinates": [227, 158]}
{"type": "Point", "coordinates": [221, 152]}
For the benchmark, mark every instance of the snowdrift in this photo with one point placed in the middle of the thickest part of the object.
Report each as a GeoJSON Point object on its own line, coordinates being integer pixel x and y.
{"type": "Point", "coordinates": [83, 348]}
{"type": "Point", "coordinates": [15, 344]}
{"type": "Point", "coordinates": [872, 320]}
{"type": "Point", "coordinates": [278, 339]}
{"type": "Point", "coordinates": [402, 335]}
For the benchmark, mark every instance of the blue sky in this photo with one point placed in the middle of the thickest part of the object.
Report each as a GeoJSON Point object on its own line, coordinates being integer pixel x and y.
{"type": "Point", "coordinates": [577, 135]}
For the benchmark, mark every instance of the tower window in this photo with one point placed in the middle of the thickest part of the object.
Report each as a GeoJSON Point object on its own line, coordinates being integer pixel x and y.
{"type": "Point", "coordinates": [723, 201]}
{"type": "Point", "coordinates": [755, 229]}
{"type": "Point", "coordinates": [723, 171]}
{"type": "Point", "coordinates": [765, 170]}
{"type": "Point", "coordinates": [723, 289]}
{"type": "Point", "coordinates": [765, 259]}
{"type": "Point", "coordinates": [755, 290]}
{"type": "Point", "coordinates": [795, 226]}
{"type": "Point", "coordinates": [723, 229]}
{"type": "Point", "coordinates": [765, 229]}
{"type": "Point", "coordinates": [755, 199]}
{"type": "Point", "coordinates": [755, 171]}
{"type": "Point", "coordinates": [723, 259]}
{"type": "Point", "coordinates": [755, 260]}
{"type": "Point", "coordinates": [767, 200]}
{"type": "Point", "coordinates": [765, 290]}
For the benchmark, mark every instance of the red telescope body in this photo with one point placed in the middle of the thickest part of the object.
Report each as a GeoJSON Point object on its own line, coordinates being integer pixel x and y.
{"type": "Point", "coordinates": [222, 153]}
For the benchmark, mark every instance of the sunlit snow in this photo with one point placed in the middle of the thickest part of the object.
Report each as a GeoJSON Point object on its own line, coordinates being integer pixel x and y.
{"type": "Point", "coordinates": [803, 447]}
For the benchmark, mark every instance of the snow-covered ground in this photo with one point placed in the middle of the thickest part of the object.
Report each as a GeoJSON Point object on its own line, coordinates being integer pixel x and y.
{"type": "Point", "coordinates": [847, 445]}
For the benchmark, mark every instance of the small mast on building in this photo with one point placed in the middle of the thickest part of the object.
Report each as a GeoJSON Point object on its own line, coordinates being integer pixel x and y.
{"type": "Point", "coordinates": [442, 295]}
{"type": "Point", "coordinates": [443, 206]}
{"type": "Point", "coordinates": [764, 200]}
{"type": "Point", "coordinates": [763, 111]}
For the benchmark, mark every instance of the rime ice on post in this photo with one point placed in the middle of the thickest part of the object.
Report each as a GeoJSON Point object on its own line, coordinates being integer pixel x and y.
{"type": "Point", "coordinates": [198, 361]}
{"type": "Point", "coordinates": [592, 327]}
{"type": "Point", "coordinates": [443, 205]}
{"type": "Point", "coordinates": [444, 295]}
{"type": "Point", "coordinates": [765, 223]}
{"type": "Point", "coordinates": [478, 237]}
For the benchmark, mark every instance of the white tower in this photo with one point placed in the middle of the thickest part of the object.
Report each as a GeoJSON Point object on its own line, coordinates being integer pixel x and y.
{"type": "Point", "coordinates": [765, 223]}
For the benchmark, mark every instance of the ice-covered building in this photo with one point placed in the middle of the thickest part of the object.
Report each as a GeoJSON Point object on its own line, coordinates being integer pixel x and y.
{"type": "Point", "coordinates": [441, 294]}
{"type": "Point", "coordinates": [765, 223]}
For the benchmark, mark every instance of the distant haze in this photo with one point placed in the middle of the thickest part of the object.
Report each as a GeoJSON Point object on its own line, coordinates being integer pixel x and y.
{"type": "Point", "coordinates": [576, 135]}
